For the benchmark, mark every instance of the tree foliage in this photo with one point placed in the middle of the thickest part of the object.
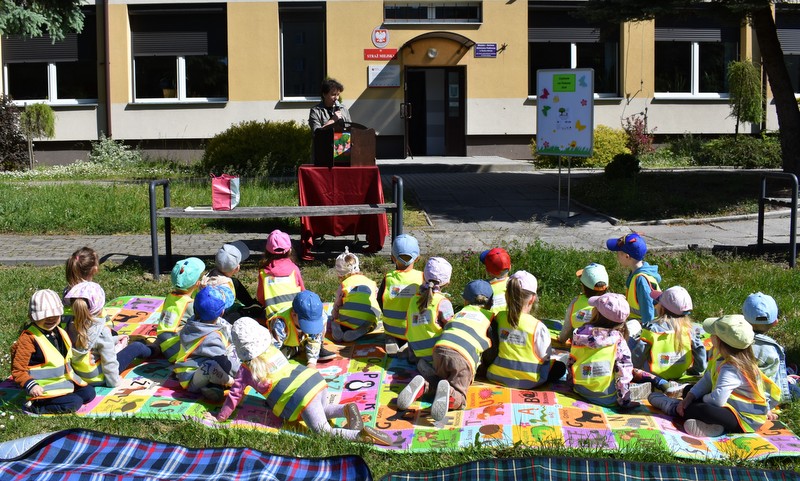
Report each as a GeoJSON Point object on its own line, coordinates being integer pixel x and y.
{"type": "Point", "coordinates": [34, 18]}
{"type": "Point", "coordinates": [37, 121]}
{"type": "Point", "coordinates": [12, 143]}
{"type": "Point", "coordinates": [745, 92]}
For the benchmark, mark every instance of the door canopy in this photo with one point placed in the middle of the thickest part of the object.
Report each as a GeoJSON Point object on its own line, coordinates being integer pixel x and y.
{"type": "Point", "coordinates": [435, 49]}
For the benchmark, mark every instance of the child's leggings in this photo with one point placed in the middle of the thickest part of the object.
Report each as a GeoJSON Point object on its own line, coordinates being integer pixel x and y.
{"type": "Point", "coordinates": [317, 413]}
{"type": "Point", "coordinates": [68, 403]}
{"type": "Point", "coordinates": [710, 414]}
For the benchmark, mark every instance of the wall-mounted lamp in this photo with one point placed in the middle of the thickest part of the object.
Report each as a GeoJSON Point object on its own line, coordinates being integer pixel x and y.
{"type": "Point", "coordinates": [432, 52]}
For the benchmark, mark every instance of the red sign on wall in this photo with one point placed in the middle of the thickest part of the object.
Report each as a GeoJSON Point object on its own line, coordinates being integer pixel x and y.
{"type": "Point", "coordinates": [380, 53]}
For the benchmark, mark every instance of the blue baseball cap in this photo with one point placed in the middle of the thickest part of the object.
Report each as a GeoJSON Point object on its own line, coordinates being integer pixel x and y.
{"type": "Point", "coordinates": [212, 301]}
{"type": "Point", "coordinates": [632, 244]}
{"type": "Point", "coordinates": [477, 288]}
{"type": "Point", "coordinates": [308, 307]}
{"type": "Point", "coordinates": [405, 249]}
{"type": "Point", "coordinates": [760, 308]}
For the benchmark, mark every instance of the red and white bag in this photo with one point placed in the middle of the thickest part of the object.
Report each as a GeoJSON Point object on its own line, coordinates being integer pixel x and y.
{"type": "Point", "coordinates": [224, 192]}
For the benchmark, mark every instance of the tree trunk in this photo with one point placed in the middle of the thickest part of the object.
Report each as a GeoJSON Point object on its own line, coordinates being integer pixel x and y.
{"type": "Point", "coordinates": [30, 151]}
{"type": "Point", "coordinates": [782, 90]}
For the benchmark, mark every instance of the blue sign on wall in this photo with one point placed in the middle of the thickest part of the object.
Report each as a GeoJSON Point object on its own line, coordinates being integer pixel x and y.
{"type": "Point", "coordinates": [485, 50]}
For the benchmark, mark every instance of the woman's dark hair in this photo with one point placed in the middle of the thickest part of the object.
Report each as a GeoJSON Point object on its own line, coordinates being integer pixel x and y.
{"type": "Point", "coordinates": [330, 84]}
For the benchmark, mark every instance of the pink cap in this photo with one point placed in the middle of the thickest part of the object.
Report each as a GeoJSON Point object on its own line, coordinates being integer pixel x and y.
{"type": "Point", "coordinates": [676, 300]}
{"type": "Point", "coordinates": [526, 280]}
{"type": "Point", "coordinates": [613, 307]}
{"type": "Point", "coordinates": [278, 242]}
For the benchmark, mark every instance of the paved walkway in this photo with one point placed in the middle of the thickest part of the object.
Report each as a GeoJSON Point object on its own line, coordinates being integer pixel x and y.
{"type": "Point", "coordinates": [472, 203]}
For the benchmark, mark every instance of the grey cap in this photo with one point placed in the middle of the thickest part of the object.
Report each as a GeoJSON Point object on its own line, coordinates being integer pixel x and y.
{"type": "Point", "coordinates": [229, 256]}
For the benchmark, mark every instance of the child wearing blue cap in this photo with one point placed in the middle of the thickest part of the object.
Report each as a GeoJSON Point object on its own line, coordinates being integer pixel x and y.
{"type": "Point", "coordinates": [301, 328]}
{"type": "Point", "coordinates": [643, 278]}
{"type": "Point", "coordinates": [456, 355]}
{"type": "Point", "coordinates": [396, 290]}
{"type": "Point", "coordinates": [761, 311]}
{"type": "Point", "coordinates": [178, 306]}
{"type": "Point", "coordinates": [208, 362]}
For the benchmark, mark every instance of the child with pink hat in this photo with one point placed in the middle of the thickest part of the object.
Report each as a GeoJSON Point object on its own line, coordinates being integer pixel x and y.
{"type": "Point", "coordinates": [279, 278]}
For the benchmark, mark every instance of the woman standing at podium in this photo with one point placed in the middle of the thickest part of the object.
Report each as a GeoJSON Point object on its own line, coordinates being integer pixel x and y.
{"type": "Point", "coordinates": [328, 111]}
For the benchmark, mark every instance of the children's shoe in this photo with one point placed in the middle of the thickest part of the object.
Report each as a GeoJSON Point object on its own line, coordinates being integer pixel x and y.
{"type": "Point", "coordinates": [663, 403]}
{"type": "Point", "coordinates": [425, 369]}
{"type": "Point", "coordinates": [213, 394]}
{"type": "Point", "coordinates": [441, 401]}
{"type": "Point", "coordinates": [29, 409]}
{"type": "Point", "coordinates": [661, 384]}
{"type": "Point", "coordinates": [699, 429]}
{"type": "Point", "coordinates": [640, 391]}
{"type": "Point", "coordinates": [374, 436]}
{"type": "Point", "coordinates": [326, 355]}
{"type": "Point", "coordinates": [353, 415]}
{"type": "Point", "coordinates": [354, 334]}
{"type": "Point", "coordinates": [391, 347]}
{"type": "Point", "coordinates": [675, 389]}
{"type": "Point", "coordinates": [410, 393]}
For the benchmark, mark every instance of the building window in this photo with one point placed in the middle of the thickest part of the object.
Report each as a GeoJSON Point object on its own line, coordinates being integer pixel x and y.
{"type": "Point", "coordinates": [302, 49]}
{"type": "Point", "coordinates": [180, 53]}
{"type": "Point", "coordinates": [787, 20]}
{"type": "Point", "coordinates": [557, 39]}
{"type": "Point", "coordinates": [61, 73]}
{"type": "Point", "coordinates": [432, 12]}
{"type": "Point", "coordinates": [692, 55]}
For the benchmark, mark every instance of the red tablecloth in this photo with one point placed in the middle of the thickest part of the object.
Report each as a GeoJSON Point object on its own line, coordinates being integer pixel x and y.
{"type": "Point", "coordinates": [341, 186]}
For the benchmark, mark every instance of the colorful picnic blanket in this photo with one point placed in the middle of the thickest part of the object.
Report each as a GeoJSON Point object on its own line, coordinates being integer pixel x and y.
{"type": "Point", "coordinates": [365, 375]}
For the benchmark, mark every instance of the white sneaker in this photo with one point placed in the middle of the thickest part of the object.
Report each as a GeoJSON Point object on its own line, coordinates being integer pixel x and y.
{"type": "Point", "coordinates": [410, 393]}
{"type": "Point", "coordinates": [640, 391]}
{"type": "Point", "coordinates": [441, 401]}
{"type": "Point", "coordinates": [663, 403]}
{"type": "Point", "coordinates": [699, 429]}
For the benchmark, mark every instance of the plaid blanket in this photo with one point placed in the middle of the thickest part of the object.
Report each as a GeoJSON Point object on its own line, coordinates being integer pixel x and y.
{"type": "Point", "coordinates": [577, 469]}
{"type": "Point", "coordinates": [83, 455]}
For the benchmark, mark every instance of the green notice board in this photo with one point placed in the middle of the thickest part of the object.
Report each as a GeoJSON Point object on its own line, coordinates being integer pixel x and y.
{"type": "Point", "coordinates": [565, 112]}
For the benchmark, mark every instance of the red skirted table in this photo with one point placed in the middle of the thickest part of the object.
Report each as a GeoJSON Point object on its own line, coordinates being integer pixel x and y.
{"type": "Point", "coordinates": [341, 186]}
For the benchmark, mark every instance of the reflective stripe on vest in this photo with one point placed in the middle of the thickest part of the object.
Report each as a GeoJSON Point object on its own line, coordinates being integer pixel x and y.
{"type": "Point", "coordinates": [581, 311]}
{"type": "Point", "coordinates": [499, 294]}
{"type": "Point", "coordinates": [54, 375]}
{"type": "Point", "coordinates": [186, 366]}
{"type": "Point", "coordinates": [279, 292]}
{"type": "Point", "coordinates": [664, 360]}
{"type": "Point", "coordinates": [292, 336]}
{"type": "Point", "coordinates": [172, 312]}
{"type": "Point", "coordinates": [748, 402]}
{"type": "Point", "coordinates": [398, 289]}
{"type": "Point", "coordinates": [517, 364]}
{"type": "Point", "coordinates": [359, 302]}
{"type": "Point", "coordinates": [466, 334]}
{"type": "Point", "coordinates": [631, 293]}
{"type": "Point", "coordinates": [423, 328]}
{"type": "Point", "coordinates": [294, 387]}
{"type": "Point", "coordinates": [593, 373]}
{"type": "Point", "coordinates": [170, 344]}
{"type": "Point", "coordinates": [88, 368]}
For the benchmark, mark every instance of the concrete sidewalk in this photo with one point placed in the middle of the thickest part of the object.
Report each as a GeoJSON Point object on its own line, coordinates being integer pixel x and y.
{"type": "Point", "coordinates": [472, 203]}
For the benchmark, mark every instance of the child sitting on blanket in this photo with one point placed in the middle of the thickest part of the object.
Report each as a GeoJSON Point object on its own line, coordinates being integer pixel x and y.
{"type": "Point", "coordinates": [209, 361]}
{"type": "Point", "coordinates": [292, 391]}
{"type": "Point", "coordinates": [227, 264]}
{"type": "Point", "coordinates": [731, 397]}
{"type": "Point", "coordinates": [355, 310]}
{"type": "Point", "coordinates": [94, 349]}
{"type": "Point", "coordinates": [523, 341]}
{"type": "Point", "coordinates": [178, 306]}
{"type": "Point", "coordinates": [428, 312]}
{"type": "Point", "coordinates": [498, 264]}
{"type": "Point", "coordinates": [456, 355]}
{"type": "Point", "coordinates": [396, 290]}
{"type": "Point", "coordinates": [40, 360]}
{"type": "Point", "coordinates": [301, 329]}
{"type": "Point", "coordinates": [81, 266]}
{"type": "Point", "coordinates": [279, 278]}
{"type": "Point", "coordinates": [594, 282]}
{"type": "Point", "coordinates": [600, 366]}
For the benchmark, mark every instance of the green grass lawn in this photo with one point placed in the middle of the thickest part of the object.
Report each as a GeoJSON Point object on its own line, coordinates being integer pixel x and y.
{"type": "Point", "coordinates": [717, 284]}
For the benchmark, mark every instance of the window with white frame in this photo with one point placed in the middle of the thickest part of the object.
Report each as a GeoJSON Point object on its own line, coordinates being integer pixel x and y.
{"type": "Point", "coordinates": [787, 20]}
{"type": "Point", "coordinates": [61, 73]}
{"type": "Point", "coordinates": [302, 27]}
{"type": "Point", "coordinates": [692, 54]}
{"type": "Point", "coordinates": [559, 39]}
{"type": "Point", "coordinates": [180, 53]}
{"type": "Point", "coordinates": [433, 12]}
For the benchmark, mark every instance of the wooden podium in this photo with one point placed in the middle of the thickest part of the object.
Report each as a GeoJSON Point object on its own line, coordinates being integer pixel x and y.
{"type": "Point", "coordinates": [331, 146]}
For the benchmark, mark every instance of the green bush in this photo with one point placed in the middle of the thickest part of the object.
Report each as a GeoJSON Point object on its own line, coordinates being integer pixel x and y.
{"type": "Point", "coordinates": [257, 148]}
{"type": "Point", "coordinates": [13, 147]}
{"type": "Point", "coordinates": [608, 142]}
{"type": "Point", "coordinates": [686, 146]}
{"type": "Point", "coordinates": [624, 166]}
{"type": "Point", "coordinates": [742, 151]}
{"type": "Point", "coordinates": [115, 154]}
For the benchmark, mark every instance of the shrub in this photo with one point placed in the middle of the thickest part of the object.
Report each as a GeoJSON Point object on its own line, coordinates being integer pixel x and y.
{"type": "Point", "coordinates": [13, 150]}
{"type": "Point", "coordinates": [37, 121]}
{"type": "Point", "coordinates": [256, 148]}
{"type": "Point", "coordinates": [608, 142]}
{"type": "Point", "coordinates": [624, 166]}
{"type": "Point", "coordinates": [112, 153]}
{"type": "Point", "coordinates": [686, 146]}
{"type": "Point", "coordinates": [742, 151]}
{"type": "Point", "coordinates": [640, 141]}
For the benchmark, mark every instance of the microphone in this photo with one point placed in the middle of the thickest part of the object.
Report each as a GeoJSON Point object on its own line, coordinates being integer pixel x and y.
{"type": "Point", "coordinates": [337, 106]}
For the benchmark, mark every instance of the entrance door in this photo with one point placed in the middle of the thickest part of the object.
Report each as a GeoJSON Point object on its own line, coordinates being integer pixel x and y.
{"type": "Point", "coordinates": [434, 111]}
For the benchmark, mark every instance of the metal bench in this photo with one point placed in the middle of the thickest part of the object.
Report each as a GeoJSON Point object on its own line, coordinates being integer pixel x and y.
{"type": "Point", "coordinates": [168, 212]}
{"type": "Point", "coordinates": [790, 202]}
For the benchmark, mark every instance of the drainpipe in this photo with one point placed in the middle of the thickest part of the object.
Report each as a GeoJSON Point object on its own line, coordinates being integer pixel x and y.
{"type": "Point", "coordinates": [107, 35]}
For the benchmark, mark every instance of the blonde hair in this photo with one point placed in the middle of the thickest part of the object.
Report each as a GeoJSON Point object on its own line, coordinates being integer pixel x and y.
{"type": "Point", "coordinates": [83, 320]}
{"type": "Point", "coordinates": [743, 360]}
{"type": "Point", "coordinates": [426, 294]}
{"type": "Point", "coordinates": [516, 299]}
{"type": "Point", "coordinates": [80, 264]}
{"type": "Point", "coordinates": [679, 324]}
{"type": "Point", "coordinates": [260, 367]}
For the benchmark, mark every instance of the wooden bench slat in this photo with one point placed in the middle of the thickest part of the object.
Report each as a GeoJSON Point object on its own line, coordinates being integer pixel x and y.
{"type": "Point", "coordinates": [278, 211]}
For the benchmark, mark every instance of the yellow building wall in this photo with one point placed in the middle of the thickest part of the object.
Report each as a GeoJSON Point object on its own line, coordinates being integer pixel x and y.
{"type": "Point", "coordinates": [119, 54]}
{"type": "Point", "coordinates": [253, 51]}
{"type": "Point", "coordinates": [637, 58]}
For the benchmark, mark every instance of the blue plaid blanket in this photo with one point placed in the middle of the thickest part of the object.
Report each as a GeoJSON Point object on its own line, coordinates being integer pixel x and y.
{"type": "Point", "coordinates": [83, 455]}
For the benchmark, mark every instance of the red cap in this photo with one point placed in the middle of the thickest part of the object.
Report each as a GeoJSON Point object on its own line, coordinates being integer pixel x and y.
{"type": "Point", "coordinates": [496, 260]}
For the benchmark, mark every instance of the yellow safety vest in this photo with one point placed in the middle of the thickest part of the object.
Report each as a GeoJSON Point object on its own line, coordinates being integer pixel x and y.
{"type": "Point", "coordinates": [398, 289]}
{"type": "Point", "coordinates": [633, 301]}
{"type": "Point", "coordinates": [499, 294]}
{"type": "Point", "coordinates": [664, 361]}
{"type": "Point", "coordinates": [580, 312]}
{"type": "Point", "coordinates": [748, 402]}
{"type": "Point", "coordinates": [55, 374]}
{"type": "Point", "coordinates": [292, 336]}
{"type": "Point", "coordinates": [359, 302]}
{"type": "Point", "coordinates": [423, 328]}
{"type": "Point", "coordinates": [466, 334]}
{"type": "Point", "coordinates": [170, 324]}
{"type": "Point", "coordinates": [89, 367]}
{"type": "Point", "coordinates": [517, 364]}
{"type": "Point", "coordinates": [293, 386]}
{"type": "Point", "coordinates": [279, 292]}
{"type": "Point", "coordinates": [592, 373]}
{"type": "Point", "coordinates": [186, 366]}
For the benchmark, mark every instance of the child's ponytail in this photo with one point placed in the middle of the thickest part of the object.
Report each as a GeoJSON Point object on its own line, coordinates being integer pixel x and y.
{"type": "Point", "coordinates": [80, 265]}
{"type": "Point", "coordinates": [742, 359]}
{"type": "Point", "coordinates": [82, 319]}
{"type": "Point", "coordinates": [425, 295]}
